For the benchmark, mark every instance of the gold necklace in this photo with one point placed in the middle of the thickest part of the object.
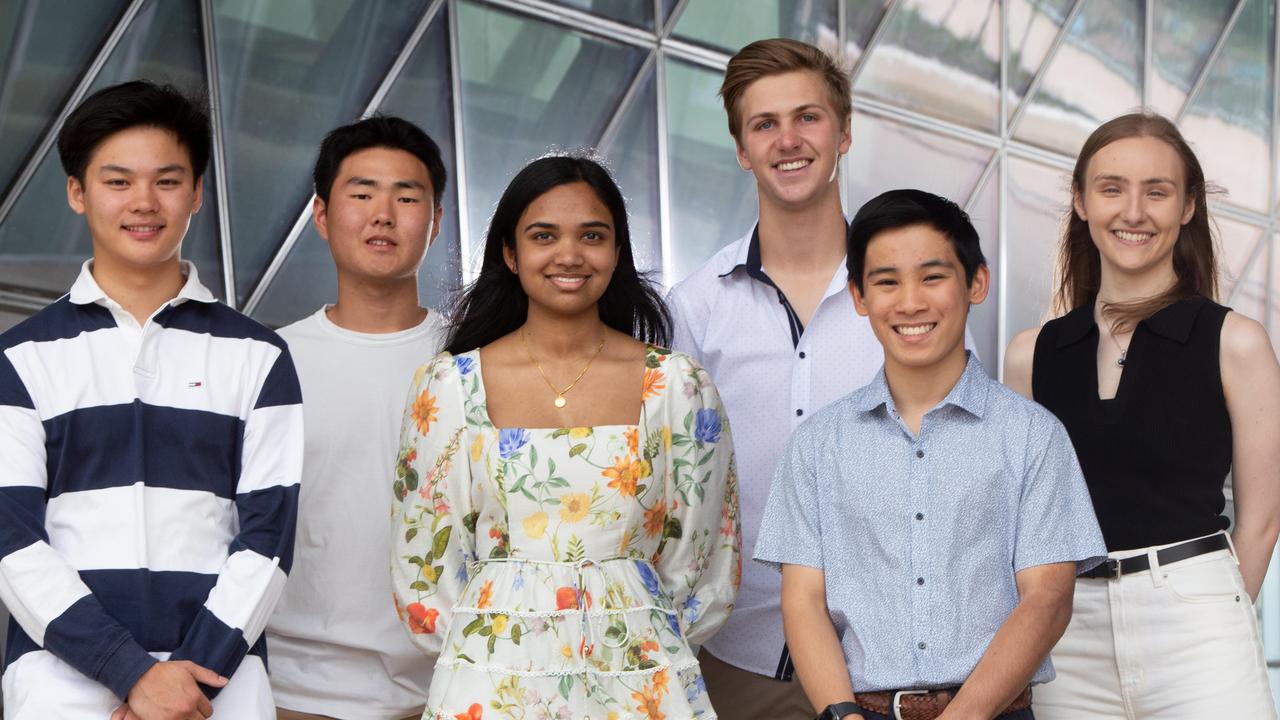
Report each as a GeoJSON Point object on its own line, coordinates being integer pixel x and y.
{"type": "Point", "coordinates": [559, 401]}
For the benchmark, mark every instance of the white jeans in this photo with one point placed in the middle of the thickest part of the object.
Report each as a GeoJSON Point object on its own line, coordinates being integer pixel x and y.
{"type": "Point", "coordinates": [1178, 641]}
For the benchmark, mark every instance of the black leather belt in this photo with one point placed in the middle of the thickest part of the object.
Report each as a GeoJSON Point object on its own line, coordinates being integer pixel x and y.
{"type": "Point", "coordinates": [1112, 568]}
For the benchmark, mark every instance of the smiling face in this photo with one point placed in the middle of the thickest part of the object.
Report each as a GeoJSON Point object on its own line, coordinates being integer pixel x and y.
{"type": "Point", "coordinates": [791, 138]}
{"type": "Point", "coordinates": [916, 297]}
{"type": "Point", "coordinates": [381, 216]}
{"type": "Point", "coordinates": [1135, 202]}
{"type": "Point", "coordinates": [565, 250]}
{"type": "Point", "coordinates": [138, 196]}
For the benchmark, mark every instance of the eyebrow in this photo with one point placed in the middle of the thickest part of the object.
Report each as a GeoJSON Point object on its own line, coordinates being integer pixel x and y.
{"type": "Point", "coordinates": [934, 263]}
{"type": "Point", "coordinates": [173, 167]}
{"type": "Point", "coordinates": [401, 184]}
{"type": "Point", "coordinates": [1148, 181]}
{"type": "Point", "coordinates": [553, 226]}
{"type": "Point", "coordinates": [799, 109]}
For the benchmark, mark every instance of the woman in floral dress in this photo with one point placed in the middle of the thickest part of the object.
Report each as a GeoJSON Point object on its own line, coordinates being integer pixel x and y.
{"type": "Point", "coordinates": [565, 519]}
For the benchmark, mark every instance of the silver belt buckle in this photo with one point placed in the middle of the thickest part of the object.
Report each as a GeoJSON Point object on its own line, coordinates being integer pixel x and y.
{"type": "Point", "coordinates": [897, 700]}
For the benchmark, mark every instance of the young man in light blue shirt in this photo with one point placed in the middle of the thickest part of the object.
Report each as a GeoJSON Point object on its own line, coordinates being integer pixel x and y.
{"type": "Point", "coordinates": [935, 517]}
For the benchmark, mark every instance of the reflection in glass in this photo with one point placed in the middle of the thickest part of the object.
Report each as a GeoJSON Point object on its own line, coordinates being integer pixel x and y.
{"type": "Point", "coordinates": [984, 319]}
{"type": "Point", "coordinates": [289, 70]}
{"type": "Point", "coordinates": [713, 200]}
{"type": "Point", "coordinates": [421, 94]}
{"type": "Point", "coordinates": [43, 242]}
{"type": "Point", "coordinates": [941, 58]}
{"type": "Point", "coordinates": [1094, 77]}
{"type": "Point", "coordinates": [1229, 124]}
{"type": "Point", "coordinates": [886, 155]}
{"type": "Point", "coordinates": [633, 159]}
{"type": "Point", "coordinates": [529, 87]}
{"type": "Point", "coordinates": [1184, 34]}
{"type": "Point", "coordinates": [1238, 244]}
{"type": "Point", "coordinates": [861, 19]}
{"type": "Point", "coordinates": [728, 25]}
{"type": "Point", "coordinates": [1037, 200]}
{"type": "Point", "coordinates": [1033, 26]}
{"type": "Point", "coordinates": [630, 12]}
{"type": "Point", "coordinates": [42, 55]}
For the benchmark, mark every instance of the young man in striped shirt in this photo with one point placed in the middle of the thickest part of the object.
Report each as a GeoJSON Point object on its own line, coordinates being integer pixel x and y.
{"type": "Point", "coordinates": [150, 450]}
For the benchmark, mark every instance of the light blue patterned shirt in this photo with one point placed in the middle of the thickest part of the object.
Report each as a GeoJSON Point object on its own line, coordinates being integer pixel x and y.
{"type": "Point", "coordinates": [920, 537]}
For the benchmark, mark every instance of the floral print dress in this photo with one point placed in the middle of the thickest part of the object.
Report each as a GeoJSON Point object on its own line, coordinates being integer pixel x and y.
{"type": "Point", "coordinates": [561, 573]}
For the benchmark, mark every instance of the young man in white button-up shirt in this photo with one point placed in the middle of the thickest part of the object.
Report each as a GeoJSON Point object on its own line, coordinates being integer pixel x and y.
{"type": "Point", "coordinates": [771, 318]}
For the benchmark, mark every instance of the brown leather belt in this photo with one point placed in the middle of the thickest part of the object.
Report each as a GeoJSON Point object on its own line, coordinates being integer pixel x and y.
{"type": "Point", "coordinates": [923, 705]}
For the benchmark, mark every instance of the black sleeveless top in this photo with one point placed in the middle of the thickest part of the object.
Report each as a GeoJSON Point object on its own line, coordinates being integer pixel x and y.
{"type": "Point", "coordinates": [1156, 456]}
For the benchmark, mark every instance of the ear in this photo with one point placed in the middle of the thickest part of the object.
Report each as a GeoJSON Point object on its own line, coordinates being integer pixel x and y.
{"type": "Point", "coordinates": [743, 161]}
{"type": "Point", "coordinates": [75, 195]}
{"type": "Point", "coordinates": [859, 303]}
{"type": "Point", "coordinates": [199, 191]}
{"type": "Point", "coordinates": [435, 225]}
{"type": "Point", "coordinates": [320, 217]}
{"type": "Point", "coordinates": [509, 257]}
{"type": "Point", "coordinates": [1077, 202]}
{"type": "Point", "coordinates": [980, 285]}
{"type": "Point", "coordinates": [1189, 211]}
{"type": "Point", "coordinates": [846, 135]}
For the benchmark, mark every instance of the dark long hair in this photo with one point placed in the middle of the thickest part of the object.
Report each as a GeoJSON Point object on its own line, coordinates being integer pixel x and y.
{"type": "Point", "coordinates": [1194, 263]}
{"type": "Point", "coordinates": [496, 305]}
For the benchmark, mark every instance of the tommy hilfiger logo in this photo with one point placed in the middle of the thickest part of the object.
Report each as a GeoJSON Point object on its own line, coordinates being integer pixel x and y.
{"type": "Point", "coordinates": [195, 384]}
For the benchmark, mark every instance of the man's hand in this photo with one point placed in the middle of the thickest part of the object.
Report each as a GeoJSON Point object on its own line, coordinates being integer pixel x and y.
{"type": "Point", "coordinates": [168, 691]}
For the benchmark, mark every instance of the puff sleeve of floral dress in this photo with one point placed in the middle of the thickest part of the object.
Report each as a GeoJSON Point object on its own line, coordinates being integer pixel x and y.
{"type": "Point", "coordinates": [562, 572]}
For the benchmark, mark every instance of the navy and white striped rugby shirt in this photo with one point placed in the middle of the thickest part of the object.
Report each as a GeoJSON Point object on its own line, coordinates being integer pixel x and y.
{"type": "Point", "coordinates": [148, 485]}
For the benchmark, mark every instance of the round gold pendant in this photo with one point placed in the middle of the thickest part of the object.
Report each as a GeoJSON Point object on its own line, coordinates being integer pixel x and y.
{"type": "Point", "coordinates": [560, 401]}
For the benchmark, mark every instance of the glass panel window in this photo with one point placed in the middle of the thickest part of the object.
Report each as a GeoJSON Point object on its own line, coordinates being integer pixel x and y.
{"type": "Point", "coordinates": [1229, 122]}
{"type": "Point", "coordinates": [1037, 199]}
{"type": "Point", "coordinates": [289, 71]}
{"type": "Point", "coordinates": [730, 24]}
{"type": "Point", "coordinates": [1094, 77]}
{"type": "Point", "coordinates": [529, 87]}
{"type": "Point", "coordinates": [633, 158]}
{"type": "Point", "coordinates": [631, 12]}
{"type": "Point", "coordinates": [862, 17]}
{"type": "Point", "coordinates": [941, 58]}
{"type": "Point", "coordinates": [42, 242]}
{"type": "Point", "coordinates": [41, 57]}
{"type": "Point", "coordinates": [984, 319]}
{"type": "Point", "coordinates": [421, 94]}
{"type": "Point", "coordinates": [1239, 246]}
{"type": "Point", "coordinates": [713, 200]}
{"type": "Point", "coordinates": [1185, 32]}
{"type": "Point", "coordinates": [1033, 26]}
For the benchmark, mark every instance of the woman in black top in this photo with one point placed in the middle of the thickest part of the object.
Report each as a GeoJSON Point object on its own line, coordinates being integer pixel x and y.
{"type": "Point", "coordinates": [1163, 392]}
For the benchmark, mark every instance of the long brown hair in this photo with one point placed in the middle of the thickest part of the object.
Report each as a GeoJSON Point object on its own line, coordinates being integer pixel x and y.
{"type": "Point", "coordinates": [1194, 263]}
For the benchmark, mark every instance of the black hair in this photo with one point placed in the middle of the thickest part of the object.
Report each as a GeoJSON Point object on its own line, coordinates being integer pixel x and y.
{"type": "Point", "coordinates": [138, 103]}
{"type": "Point", "coordinates": [903, 208]}
{"type": "Point", "coordinates": [495, 304]}
{"type": "Point", "coordinates": [386, 131]}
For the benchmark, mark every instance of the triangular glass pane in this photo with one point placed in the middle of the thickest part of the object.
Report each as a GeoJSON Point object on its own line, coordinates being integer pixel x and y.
{"type": "Point", "coordinates": [1249, 296]}
{"type": "Point", "coordinates": [1239, 244]}
{"type": "Point", "coordinates": [1033, 26]}
{"type": "Point", "coordinates": [1036, 200]}
{"type": "Point", "coordinates": [713, 202]}
{"type": "Point", "coordinates": [886, 155]}
{"type": "Point", "coordinates": [727, 25]}
{"type": "Point", "coordinates": [422, 95]}
{"type": "Point", "coordinates": [42, 242]}
{"type": "Point", "coordinates": [1184, 34]}
{"type": "Point", "coordinates": [631, 12]}
{"type": "Point", "coordinates": [862, 17]}
{"type": "Point", "coordinates": [1095, 76]}
{"type": "Point", "coordinates": [941, 58]}
{"type": "Point", "coordinates": [1229, 122]}
{"type": "Point", "coordinates": [42, 55]}
{"type": "Point", "coordinates": [288, 73]}
{"type": "Point", "coordinates": [528, 87]}
{"type": "Point", "coordinates": [633, 157]}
